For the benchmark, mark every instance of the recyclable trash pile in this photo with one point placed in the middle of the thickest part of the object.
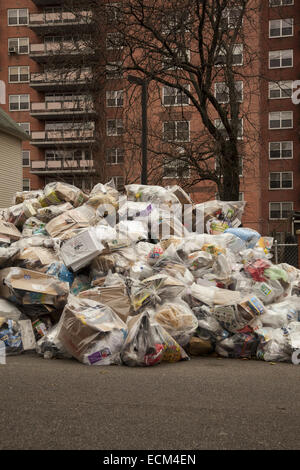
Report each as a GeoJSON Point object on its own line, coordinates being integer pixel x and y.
{"type": "Point", "coordinates": [124, 279]}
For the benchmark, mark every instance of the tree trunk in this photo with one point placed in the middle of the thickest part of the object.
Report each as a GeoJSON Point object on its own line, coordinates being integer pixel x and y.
{"type": "Point", "coordinates": [230, 165]}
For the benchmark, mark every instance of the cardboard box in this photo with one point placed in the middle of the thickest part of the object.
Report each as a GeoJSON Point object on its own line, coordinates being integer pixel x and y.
{"type": "Point", "coordinates": [80, 250]}
{"type": "Point", "coordinates": [9, 231]}
{"type": "Point", "coordinates": [25, 286]}
{"type": "Point", "coordinates": [81, 217]}
{"type": "Point", "coordinates": [114, 296]}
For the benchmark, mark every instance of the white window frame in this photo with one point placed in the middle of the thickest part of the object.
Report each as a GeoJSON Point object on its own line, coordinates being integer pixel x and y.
{"type": "Point", "coordinates": [17, 40]}
{"type": "Point", "coordinates": [117, 127]}
{"type": "Point", "coordinates": [21, 124]}
{"type": "Point", "coordinates": [115, 9]}
{"type": "Point", "coordinates": [117, 96]}
{"type": "Point", "coordinates": [226, 91]}
{"type": "Point", "coordinates": [167, 61]}
{"type": "Point", "coordinates": [116, 179]}
{"type": "Point", "coordinates": [222, 52]}
{"type": "Point", "coordinates": [218, 123]}
{"type": "Point", "coordinates": [226, 14]}
{"type": "Point", "coordinates": [19, 102]}
{"type": "Point", "coordinates": [28, 152]}
{"type": "Point", "coordinates": [280, 202]}
{"type": "Point", "coordinates": [281, 180]}
{"type": "Point", "coordinates": [116, 156]}
{"type": "Point", "coordinates": [18, 16]}
{"type": "Point", "coordinates": [109, 69]}
{"type": "Point", "coordinates": [280, 119]}
{"type": "Point", "coordinates": [110, 45]}
{"type": "Point", "coordinates": [280, 86]}
{"type": "Point", "coordinates": [280, 54]}
{"type": "Point", "coordinates": [281, 27]}
{"type": "Point", "coordinates": [18, 67]}
{"type": "Point", "coordinates": [29, 186]}
{"type": "Point", "coordinates": [171, 163]}
{"type": "Point", "coordinates": [177, 95]}
{"type": "Point", "coordinates": [281, 150]}
{"type": "Point", "coordinates": [176, 131]}
{"type": "Point", "coordinates": [281, 4]}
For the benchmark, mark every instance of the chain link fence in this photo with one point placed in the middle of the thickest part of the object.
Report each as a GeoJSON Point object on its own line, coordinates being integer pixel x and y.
{"type": "Point", "coordinates": [285, 253]}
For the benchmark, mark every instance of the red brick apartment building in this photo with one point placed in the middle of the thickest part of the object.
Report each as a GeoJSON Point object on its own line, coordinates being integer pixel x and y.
{"type": "Point", "coordinates": [52, 111]}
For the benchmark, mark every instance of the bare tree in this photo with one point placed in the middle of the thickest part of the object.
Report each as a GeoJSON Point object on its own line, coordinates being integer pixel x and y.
{"type": "Point", "coordinates": [200, 55]}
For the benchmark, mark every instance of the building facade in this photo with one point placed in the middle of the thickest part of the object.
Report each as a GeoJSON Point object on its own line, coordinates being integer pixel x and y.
{"type": "Point", "coordinates": [53, 103]}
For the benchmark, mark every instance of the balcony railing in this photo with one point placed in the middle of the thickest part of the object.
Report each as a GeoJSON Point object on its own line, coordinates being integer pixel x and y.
{"type": "Point", "coordinates": [62, 136]}
{"type": "Point", "coordinates": [62, 107]}
{"type": "Point", "coordinates": [62, 48]}
{"type": "Point", "coordinates": [62, 166]}
{"type": "Point", "coordinates": [60, 78]}
{"type": "Point", "coordinates": [59, 18]}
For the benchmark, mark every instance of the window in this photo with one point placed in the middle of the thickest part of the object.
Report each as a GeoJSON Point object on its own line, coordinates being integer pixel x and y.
{"type": "Point", "coordinates": [220, 126]}
{"type": "Point", "coordinates": [236, 58]}
{"type": "Point", "coordinates": [113, 13]}
{"type": "Point", "coordinates": [281, 180]}
{"type": "Point", "coordinates": [280, 210]}
{"type": "Point", "coordinates": [217, 166]}
{"type": "Point", "coordinates": [18, 102]}
{"type": "Point", "coordinates": [175, 22]}
{"type": "Point", "coordinates": [278, 3]}
{"type": "Point", "coordinates": [178, 131]}
{"type": "Point", "coordinates": [18, 74]}
{"type": "Point", "coordinates": [231, 17]}
{"type": "Point", "coordinates": [26, 158]}
{"type": "Point", "coordinates": [114, 156]}
{"type": "Point", "coordinates": [114, 71]}
{"type": "Point", "coordinates": [281, 120]}
{"type": "Point", "coordinates": [26, 184]}
{"type": "Point", "coordinates": [175, 169]}
{"type": "Point", "coordinates": [281, 59]}
{"type": "Point", "coordinates": [175, 60]}
{"type": "Point", "coordinates": [281, 89]}
{"type": "Point", "coordinates": [281, 28]}
{"type": "Point", "coordinates": [114, 99]}
{"type": "Point", "coordinates": [21, 45]}
{"type": "Point", "coordinates": [278, 150]}
{"type": "Point", "coordinates": [174, 97]}
{"type": "Point", "coordinates": [17, 16]}
{"type": "Point", "coordinates": [25, 126]}
{"type": "Point", "coordinates": [114, 41]}
{"type": "Point", "coordinates": [222, 92]}
{"type": "Point", "coordinates": [119, 182]}
{"type": "Point", "coordinates": [115, 127]}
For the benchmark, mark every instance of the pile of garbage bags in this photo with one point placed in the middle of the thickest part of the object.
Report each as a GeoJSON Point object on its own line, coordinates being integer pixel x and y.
{"type": "Point", "coordinates": [140, 278]}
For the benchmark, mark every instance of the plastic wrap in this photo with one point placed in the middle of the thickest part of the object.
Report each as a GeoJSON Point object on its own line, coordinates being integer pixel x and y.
{"type": "Point", "coordinates": [155, 290]}
{"type": "Point", "coordinates": [57, 193]}
{"type": "Point", "coordinates": [91, 332]}
{"type": "Point", "coordinates": [178, 320]}
{"type": "Point", "coordinates": [239, 345]}
{"type": "Point", "coordinates": [148, 343]}
{"type": "Point", "coordinates": [45, 214]}
{"type": "Point", "coordinates": [25, 286]}
{"type": "Point", "coordinates": [17, 336]}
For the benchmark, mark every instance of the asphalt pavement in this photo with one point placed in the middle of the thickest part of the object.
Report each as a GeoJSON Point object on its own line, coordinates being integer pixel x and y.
{"type": "Point", "coordinates": [205, 403]}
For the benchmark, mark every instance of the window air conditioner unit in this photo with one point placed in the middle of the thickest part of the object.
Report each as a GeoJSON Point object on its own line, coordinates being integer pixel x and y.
{"type": "Point", "coordinates": [12, 50]}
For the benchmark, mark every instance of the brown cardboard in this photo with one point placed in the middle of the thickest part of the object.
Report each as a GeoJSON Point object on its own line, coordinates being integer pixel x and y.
{"type": "Point", "coordinates": [80, 217]}
{"type": "Point", "coordinates": [52, 291]}
{"type": "Point", "coordinates": [114, 296]}
{"type": "Point", "coordinates": [9, 230]}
